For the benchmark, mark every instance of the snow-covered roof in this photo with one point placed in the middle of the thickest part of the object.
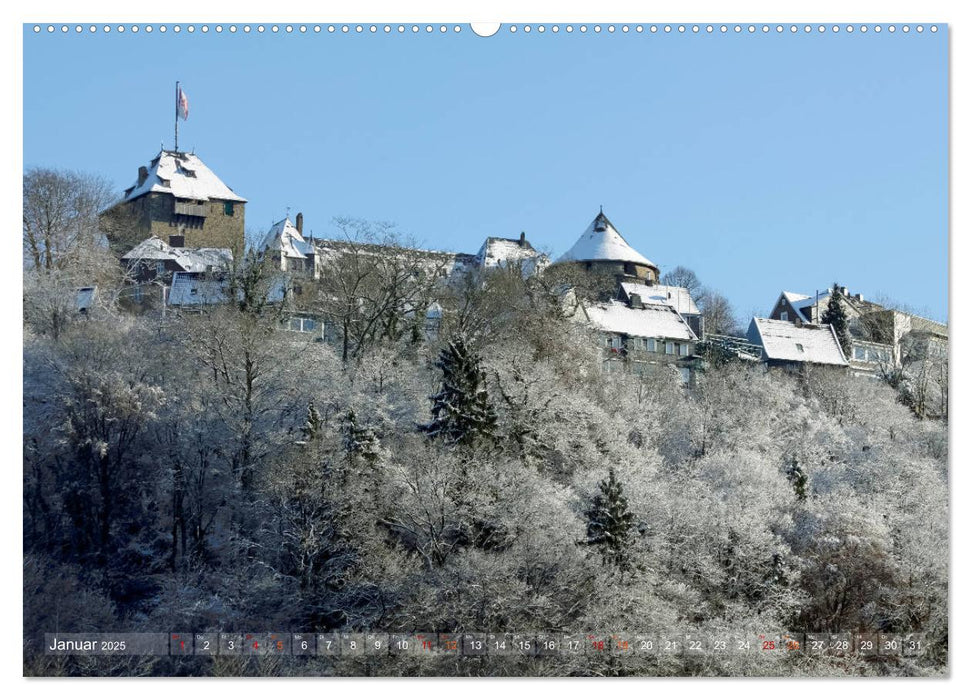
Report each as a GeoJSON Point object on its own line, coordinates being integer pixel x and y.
{"type": "Point", "coordinates": [183, 175]}
{"type": "Point", "coordinates": [782, 340]}
{"type": "Point", "coordinates": [601, 241]}
{"type": "Point", "coordinates": [189, 259]}
{"type": "Point", "coordinates": [284, 237]}
{"type": "Point", "coordinates": [653, 321]}
{"type": "Point", "coordinates": [801, 302]}
{"type": "Point", "coordinates": [797, 299]}
{"type": "Point", "coordinates": [497, 251]}
{"type": "Point", "coordinates": [679, 298]}
{"type": "Point", "coordinates": [452, 266]}
{"type": "Point", "coordinates": [200, 289]}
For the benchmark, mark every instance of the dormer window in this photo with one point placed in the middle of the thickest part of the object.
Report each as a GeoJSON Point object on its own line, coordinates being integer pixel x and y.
{"type": "Point", "coordinates": [784, 315]}
{"type": "Point", "coordinates": [800, 348]}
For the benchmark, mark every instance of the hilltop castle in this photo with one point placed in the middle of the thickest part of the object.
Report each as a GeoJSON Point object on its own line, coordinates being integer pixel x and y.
{"type": "Point", "coordinates": [185, 228]}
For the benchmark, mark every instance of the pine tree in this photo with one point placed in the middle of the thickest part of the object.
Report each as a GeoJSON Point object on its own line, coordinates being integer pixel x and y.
{"type": "Point", "coordinates": [358, 441]}
{"type": "Point", "coordinates": [313, 424]}
{"type": "Point", "coordinates": [461, 411]}
{"type": "Point", "coordinates": [610, 523]}
{"type": "Point", "coordinates": [797, 477]}
{"type": "Point", "coordinates": [835, 316]}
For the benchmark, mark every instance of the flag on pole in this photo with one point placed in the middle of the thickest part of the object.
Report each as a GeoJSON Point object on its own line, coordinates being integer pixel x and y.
{"type": "Point", "coordinates": [182, 106]}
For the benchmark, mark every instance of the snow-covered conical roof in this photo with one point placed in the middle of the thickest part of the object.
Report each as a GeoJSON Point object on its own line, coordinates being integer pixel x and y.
{"type": "Point", "coordinates": [601, 241]}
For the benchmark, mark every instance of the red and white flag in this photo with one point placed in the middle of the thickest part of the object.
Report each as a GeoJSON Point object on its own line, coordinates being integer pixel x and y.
{"type": "Point", "coordinates": [183, 104]}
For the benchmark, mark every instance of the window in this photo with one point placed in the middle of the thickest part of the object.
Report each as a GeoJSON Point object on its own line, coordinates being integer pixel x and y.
{"type": "Point", "coordinates": [651, 345]}
{"type": "Point", "coordinates": [159, 268]}
{"type": "Point", "coordinates": [859, 353]}
{"type": "Point", "coordinates": [800, 348]}
{"type": "Point", "coordinates": [177, 241]}
{"type": "Point", "coordinates": [784, 315]}
{"type": "Point", "coordinates": [608, 342]}
{"type": "Point", "coordinates": [303, 325]}
{"type": "Point", "coordinates": [136, 294]}
{"type": "Point", "coordinates": [685, 374]}
{"type": "Point", "coordinates": [669, 348]}
{"type": "Point", "coordinates": [683, 349]}
{"type": "Point", "coordinates": [228, 208]}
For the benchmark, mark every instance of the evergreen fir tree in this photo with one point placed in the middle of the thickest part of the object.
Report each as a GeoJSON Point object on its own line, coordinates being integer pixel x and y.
{"type": "Point", "coordinates": [835, 315]}
{"type": "Point", "coordinates": [461, 411]}
{"type": "Point", "coordinates": [358, 441]}
{"type": "Point", "coordinates": [610, 523]}
{"type": "Point", "coordinates": [798, 479]}
{"type": "Point", "coordinates": [312, 426]}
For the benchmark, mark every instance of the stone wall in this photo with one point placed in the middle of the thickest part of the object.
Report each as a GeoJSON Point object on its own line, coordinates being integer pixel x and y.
{"type": "Point", "coordinates": [154, 214]}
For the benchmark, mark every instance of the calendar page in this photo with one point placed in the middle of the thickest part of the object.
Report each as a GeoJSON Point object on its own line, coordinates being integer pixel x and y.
{"type": "Point", "coordinates": [535, 348]}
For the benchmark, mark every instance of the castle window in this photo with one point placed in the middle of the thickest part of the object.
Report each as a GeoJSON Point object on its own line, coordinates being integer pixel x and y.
{"type": "Point", "coordinates": [228, 208]}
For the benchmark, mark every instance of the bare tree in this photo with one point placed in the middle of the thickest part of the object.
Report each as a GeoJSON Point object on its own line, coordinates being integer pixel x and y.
{"type": "Point", "coordinates": [374, 285]}
{"type": "Point", "coordinates": [717, 312]}
{"type": "Point", "coordinates": [682, 277]}
{"type": "Point", "coordinates": [61, 214]}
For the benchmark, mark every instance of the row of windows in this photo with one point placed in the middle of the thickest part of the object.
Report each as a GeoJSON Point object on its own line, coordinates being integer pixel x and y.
{"type": "Point", "coordinates": [864, 354]}
{"type": "Point", "coordinates": [649, 345]}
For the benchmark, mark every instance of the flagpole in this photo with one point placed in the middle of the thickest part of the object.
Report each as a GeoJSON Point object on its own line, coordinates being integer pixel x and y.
{"type": "Point", "coordinates": [176, 116]}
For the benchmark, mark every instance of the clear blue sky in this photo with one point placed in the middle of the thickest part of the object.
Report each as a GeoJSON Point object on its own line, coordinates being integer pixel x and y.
{"type": "Point", "coordinates": [763, 162]}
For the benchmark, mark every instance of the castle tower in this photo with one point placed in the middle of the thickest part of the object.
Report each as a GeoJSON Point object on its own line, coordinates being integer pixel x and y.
{"type": "Point", "coordinates": [179, 200]}
{"type": "Point", "coordinates": [602, 252]}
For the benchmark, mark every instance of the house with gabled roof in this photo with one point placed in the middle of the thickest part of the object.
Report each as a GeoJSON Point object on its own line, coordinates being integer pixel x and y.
{"type": "Point", "coordinates": [288, 250]}
{"type": "Point", "coordinates": [152, 264]}
{"type": "Point", "coordinates": [786, 344]}
{"type": "Point", "coordinates": [640, 334]}
{"type": "Point", "coordinates": [876, 332]}
{"type": "Point", "coordinates": [499, 252]}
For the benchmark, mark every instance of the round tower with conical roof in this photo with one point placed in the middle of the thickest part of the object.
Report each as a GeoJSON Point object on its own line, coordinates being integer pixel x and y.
{"type": "Point", "coordinates": [603, 252]}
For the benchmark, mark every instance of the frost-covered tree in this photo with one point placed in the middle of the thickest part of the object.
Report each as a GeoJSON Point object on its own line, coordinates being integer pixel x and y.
{"type": "Point", "coordinates": [462, 412]}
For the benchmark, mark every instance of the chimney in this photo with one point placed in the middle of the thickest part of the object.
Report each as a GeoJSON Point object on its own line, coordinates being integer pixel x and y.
{"type": "Point", "coordinates": [522, 239]}
{"type": "Point", "coordinates": [142, 175]}
{"type": "Point", "coordinates": [635, 301]}
{"type": "Point", "coordinates": [300, 223]}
